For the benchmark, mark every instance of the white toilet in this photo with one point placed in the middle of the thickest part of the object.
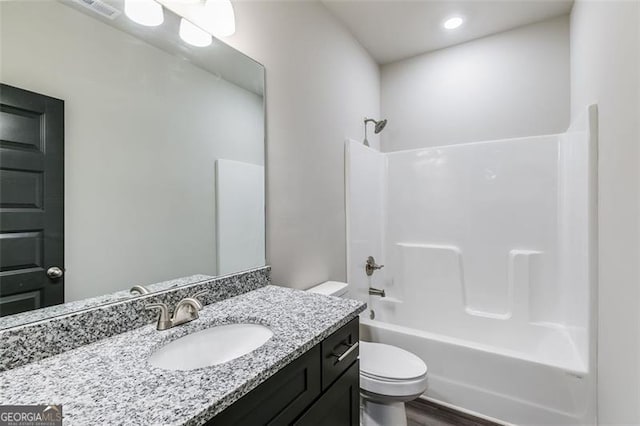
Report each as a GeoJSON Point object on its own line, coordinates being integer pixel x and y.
{"type": "Point", "coordinates": [389, 376]}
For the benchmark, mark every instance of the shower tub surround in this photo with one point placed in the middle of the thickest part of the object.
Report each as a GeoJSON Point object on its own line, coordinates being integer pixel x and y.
{"type": "Point", "coordinates": [111, 381]}
{"type": "Point", "coordinates": [47, 337]}
{"type": "Point", "coordinates": [490, 268]}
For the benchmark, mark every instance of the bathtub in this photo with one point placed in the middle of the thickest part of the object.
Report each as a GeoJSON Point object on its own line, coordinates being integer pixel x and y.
{"type": "Point", "coordinates": [504, 385]}
{"type": "Point", "coordinates": [490, 268]}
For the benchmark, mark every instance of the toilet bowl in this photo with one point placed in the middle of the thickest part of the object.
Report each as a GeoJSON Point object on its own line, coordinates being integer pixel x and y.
{"type": "Point", "coordinates": [389, 376]}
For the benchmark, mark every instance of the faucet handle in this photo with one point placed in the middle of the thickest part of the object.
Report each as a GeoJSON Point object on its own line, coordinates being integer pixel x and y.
{"type": "Point", "coordinates": [139, 289]}
{"type": "Point", "coordinates": [199, 294]}
{"type": "Point", "coordinates": [186, 310]}
{"type": "Point", "coordinates": [195, 298]}
{"type": "Point", "coordinates": [164, 321]}
{"type": "Point", "coordinates": [196, 304]}
{"type": "Point", "coordinates": [371, 266]}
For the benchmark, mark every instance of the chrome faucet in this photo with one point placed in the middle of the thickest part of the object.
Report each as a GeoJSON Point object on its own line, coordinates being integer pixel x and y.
{"type": "Point", "coordinates": [185, 311]}
{"type": "Point", "coordinates": [164, 321]}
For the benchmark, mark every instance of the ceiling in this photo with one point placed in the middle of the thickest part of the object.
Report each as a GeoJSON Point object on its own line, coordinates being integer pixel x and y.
{"type": "Point", "coordinates": [397, 29]}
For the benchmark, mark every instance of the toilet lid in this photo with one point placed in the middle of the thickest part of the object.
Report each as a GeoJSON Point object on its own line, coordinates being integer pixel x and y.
{"type": "Point", "coordinates": [390, 362]}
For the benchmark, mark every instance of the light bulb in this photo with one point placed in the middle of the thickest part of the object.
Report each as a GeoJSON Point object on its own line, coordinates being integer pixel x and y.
{"type": "Point", "coordinates": [222, 20]}
{"type": "Point", "coordinates": [144, 12]}
{"type": "Point", "coordinates": [453, 23]}
{"type": "Point", "coordinates": [194, 35]}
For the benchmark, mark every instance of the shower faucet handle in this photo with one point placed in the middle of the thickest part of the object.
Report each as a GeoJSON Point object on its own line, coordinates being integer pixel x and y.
{"type": "Point", "coordinates": [371, 266]}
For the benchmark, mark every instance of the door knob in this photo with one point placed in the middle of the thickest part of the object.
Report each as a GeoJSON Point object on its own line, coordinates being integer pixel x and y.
{"type": "Point", "coordinates": [54, 272]}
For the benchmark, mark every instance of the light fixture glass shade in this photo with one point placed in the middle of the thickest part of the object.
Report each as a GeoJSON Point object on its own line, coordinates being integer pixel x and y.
{"type": "Point", "coordinates": [453, 23]}
{"type": "Point", "coordinates": [193, 35]}
{"type": "Point", "coordinates": [144, 12]}
{"type": "Point", "coordinates": [222, 19]}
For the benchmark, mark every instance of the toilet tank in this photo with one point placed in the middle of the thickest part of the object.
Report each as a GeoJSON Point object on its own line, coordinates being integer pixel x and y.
{"type": "Point", "coordinates": [331, 288]}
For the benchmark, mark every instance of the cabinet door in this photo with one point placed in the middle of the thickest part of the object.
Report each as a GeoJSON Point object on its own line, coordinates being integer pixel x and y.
{"type": "Point", "coordinates": [280, 399]}
{"type": "Point", "coordinates": [339, 405]}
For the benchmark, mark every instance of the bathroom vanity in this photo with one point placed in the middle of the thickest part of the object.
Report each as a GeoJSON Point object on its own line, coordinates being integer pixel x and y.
{"type": "Point", "coordinates": [306, 373]}
{"type": "Point", "coordinates": [321, 387]}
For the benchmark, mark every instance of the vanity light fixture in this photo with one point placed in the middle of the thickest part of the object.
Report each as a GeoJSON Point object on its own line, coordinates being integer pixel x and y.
{"type": "Point", "coordinates": [222, 19]}
{"type": "Point", "coordinates": [194, 35]}
{"type": "Point", "coordinates": [144, 12]}
{"type": "Point", "coordinates": [453, 23]}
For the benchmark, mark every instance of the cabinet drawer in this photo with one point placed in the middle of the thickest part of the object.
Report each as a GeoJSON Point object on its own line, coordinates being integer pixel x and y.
{"type": "Point", "coordinates": [339, 351]}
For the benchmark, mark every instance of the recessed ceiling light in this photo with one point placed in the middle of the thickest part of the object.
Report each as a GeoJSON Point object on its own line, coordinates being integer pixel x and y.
{"type": "Point", "coordinates": [453, 23]}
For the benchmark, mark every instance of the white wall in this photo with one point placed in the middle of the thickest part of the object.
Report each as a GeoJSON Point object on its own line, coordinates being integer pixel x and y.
{"type": "Point", "coordinates": [143, 130]}
{"type": "Point", "coordinates": [510, 84]}
{"type": "Point", "coordinates": [320, 83]}
{"type": "Point", "coordinates": [605, 58]}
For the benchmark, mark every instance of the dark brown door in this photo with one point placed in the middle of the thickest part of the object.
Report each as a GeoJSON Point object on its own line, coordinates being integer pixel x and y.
{"type": "Point", "coordinates": [31, 200]}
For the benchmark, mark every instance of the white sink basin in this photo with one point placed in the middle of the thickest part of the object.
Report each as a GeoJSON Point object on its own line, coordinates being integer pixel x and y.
{"type": "Point", "coordinates": [211, 346]}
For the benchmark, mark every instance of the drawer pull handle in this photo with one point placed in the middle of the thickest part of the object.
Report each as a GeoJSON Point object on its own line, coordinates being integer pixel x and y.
{"type": "Point", "coordinates": [346, 353]}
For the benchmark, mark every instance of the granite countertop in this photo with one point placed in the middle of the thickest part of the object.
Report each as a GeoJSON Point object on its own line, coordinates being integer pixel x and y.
{"type": "Point", "coordinates": [111, 382]}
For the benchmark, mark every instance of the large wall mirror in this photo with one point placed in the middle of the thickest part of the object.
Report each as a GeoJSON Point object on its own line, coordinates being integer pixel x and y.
{"type": "Point", "coordinates": [129, 156]}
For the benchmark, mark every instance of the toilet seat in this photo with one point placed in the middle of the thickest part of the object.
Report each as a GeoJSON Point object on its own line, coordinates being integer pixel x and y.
{"type": "Point", "coordinates": [391, 371]}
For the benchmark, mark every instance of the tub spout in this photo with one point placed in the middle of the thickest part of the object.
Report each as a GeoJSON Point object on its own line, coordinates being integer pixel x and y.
{"type": "Point", "coordinates": [376, 292]}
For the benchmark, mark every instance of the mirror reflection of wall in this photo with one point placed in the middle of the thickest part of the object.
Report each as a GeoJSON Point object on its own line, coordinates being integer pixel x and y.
{"type": "Point", "coordinates": [143, 128]}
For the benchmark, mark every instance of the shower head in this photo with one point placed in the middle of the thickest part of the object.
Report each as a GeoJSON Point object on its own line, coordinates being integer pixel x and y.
{"type": "Point", "coordinates": [379, 125]}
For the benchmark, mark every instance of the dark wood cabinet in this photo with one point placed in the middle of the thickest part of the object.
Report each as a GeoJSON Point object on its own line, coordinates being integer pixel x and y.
{"type": "Point", "coordinates": [339, 405]}
{"type": "Point", "coordinates": [320, 387]}
{"type": "Point", "coordinates": [339, 351]}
